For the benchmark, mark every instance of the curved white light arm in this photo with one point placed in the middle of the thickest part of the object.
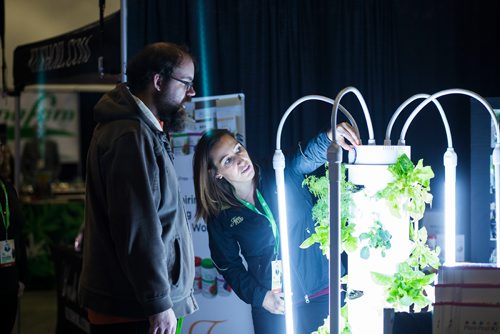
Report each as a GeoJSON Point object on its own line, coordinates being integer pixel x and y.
{"type": "Point", "coordinates": [448, 92]}
{"type": "Point", "coordinates": [371, 139]}
{"type": "Point", "coordinates": [307, 98]}
{"type": "Point", "coordinates": [387, 140]}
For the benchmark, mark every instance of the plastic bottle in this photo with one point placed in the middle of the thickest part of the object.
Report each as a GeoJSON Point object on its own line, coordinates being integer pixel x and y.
{"type": "Point", "coordinates": [208, 278]}
{"type": "Point", "coordinates": [223, 287]}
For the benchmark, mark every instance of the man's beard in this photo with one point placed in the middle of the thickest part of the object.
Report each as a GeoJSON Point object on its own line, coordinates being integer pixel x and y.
{"type": "Point", "coordinates": [175, 119]}
{"type": "Point", "coordinates": [172, 114]}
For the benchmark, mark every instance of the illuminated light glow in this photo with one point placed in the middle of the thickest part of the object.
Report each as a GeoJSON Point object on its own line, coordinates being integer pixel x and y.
{"type": "Point", "coordinates": [203, 61]}
{"type": "Point", "coordinates": [450, 165]}
{"type": "Point", "coordinates": [279, 166]}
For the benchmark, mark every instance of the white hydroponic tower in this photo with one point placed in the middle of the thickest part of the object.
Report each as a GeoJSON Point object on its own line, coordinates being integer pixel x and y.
{"type": "Point", "coordinates": [368, 168]}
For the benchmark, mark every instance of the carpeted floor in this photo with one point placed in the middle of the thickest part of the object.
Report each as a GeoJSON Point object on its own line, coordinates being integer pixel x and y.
{"type": "Point", "coordinates": [38, 313]}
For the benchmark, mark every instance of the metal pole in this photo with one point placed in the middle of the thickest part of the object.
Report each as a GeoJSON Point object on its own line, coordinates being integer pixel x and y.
{"type": "Point", "coordinates": [17, 142]}
{"type": "Point", "coordinates": [334, 160]}
{"type": "Point", "coordinates": [123, 39]}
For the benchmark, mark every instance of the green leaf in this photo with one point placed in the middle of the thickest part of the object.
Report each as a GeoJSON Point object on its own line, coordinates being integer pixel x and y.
{"type": "Point", "coordinates": [363, 236]}
{"type": "Point", "coordinates": [364, 253]}
{"type": "Point", "coordinates": [308, 242]}
{"type": "Point", "coordinates": [381, 278]}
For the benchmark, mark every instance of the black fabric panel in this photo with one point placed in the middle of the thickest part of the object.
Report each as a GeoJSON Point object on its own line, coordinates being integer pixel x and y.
{"type": "Point", "coordinates": [276, 51]}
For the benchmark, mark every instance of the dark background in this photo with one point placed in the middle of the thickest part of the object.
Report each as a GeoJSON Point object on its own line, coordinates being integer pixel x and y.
{"type": "Point", "coordinates": [277, 51]}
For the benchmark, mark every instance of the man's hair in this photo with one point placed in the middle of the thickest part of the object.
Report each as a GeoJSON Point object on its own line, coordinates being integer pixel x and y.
{"type": "Point", "coordinates": [161, 58]}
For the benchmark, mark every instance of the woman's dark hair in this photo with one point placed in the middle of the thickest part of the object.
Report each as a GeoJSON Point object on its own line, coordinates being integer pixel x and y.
{"type": "Point", "coordinates": [161, 58]}
{"type": "Point", "coordinates": [212, 195]}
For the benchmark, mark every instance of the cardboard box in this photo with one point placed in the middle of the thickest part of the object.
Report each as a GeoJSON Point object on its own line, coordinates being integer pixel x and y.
{"type": "Point", "coordinates": [466, 318]}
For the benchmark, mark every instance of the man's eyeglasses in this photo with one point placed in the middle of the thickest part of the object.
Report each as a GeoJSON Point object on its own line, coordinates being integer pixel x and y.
{"type": "Point", "coordinates": [188, 84]}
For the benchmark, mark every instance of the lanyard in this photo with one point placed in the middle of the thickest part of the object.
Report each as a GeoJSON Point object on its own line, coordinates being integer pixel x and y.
{"type": "Point", "coordinates": [6, 213]}
{"type": "Point", "coordinates": [268, 214]}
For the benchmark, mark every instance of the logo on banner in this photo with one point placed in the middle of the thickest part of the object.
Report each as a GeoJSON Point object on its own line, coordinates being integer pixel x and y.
{"type": "Point", "coordinates": [59, 113]}
{"type": "Point", "coordinates": [62, 54]}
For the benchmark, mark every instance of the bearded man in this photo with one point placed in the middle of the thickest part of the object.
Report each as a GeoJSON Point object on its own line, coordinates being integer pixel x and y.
{"type": "Point", "coordinates": [138, 267]}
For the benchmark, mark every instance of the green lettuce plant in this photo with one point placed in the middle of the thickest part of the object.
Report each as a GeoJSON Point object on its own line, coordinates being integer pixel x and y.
{"type": "Point", "coordinates": [410, 193]}
{"type": "Point", "coordinates": [377, 238]}
{"type": "Point", "coordinates": [319, 186]}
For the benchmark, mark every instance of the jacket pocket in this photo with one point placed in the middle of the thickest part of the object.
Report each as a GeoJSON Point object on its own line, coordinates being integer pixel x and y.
{"type": "Point", "coordinates": [175, 267]}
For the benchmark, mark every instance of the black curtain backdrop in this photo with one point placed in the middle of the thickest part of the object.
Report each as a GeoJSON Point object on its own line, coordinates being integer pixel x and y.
{"type": "Point", "coordinates": [276, 51]}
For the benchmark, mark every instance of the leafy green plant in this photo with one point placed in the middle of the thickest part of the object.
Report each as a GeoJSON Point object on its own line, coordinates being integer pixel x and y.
{"type": "Point", "coordinates": [319, 186]}
{"type": "Point", "coordinates": [409, 192]}
{"type": "Point", "coordinates": [48, 225]}
{"type": "Point", "coordinates": [407, 286]}
{"type": "Point", "coordinates": [377, 237]}
{"type": "Point", "coordinates": [325, 328]}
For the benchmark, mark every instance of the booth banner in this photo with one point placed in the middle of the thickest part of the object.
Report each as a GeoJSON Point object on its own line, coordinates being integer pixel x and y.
{"type": "Point", "coordinates": [59, 113]}
{"type": "Point", "coordinates": [221, 311]}
{"type": "Point", "coordinates": [73, 57]}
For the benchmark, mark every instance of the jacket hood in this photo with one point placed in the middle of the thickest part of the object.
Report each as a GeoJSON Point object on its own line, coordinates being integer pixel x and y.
{"type": "Point", "coordinates": [118, 104]}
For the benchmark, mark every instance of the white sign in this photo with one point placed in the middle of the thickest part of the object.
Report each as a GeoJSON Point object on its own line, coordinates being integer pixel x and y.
{"type": "Point", "coordinates": [221, 311]}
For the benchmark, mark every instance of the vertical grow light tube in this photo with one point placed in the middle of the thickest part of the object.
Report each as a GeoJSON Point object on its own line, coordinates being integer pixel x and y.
{"type": "Point", "coordinates": [450, 180]}
{"type": "Point", "coordinates": [279, 167]}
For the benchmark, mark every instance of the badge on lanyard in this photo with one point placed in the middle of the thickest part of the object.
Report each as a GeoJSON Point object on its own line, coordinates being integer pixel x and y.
{"type": "Point", "coordinates": [7, 246]}
{"type": "Point", "coordinates": [277, 276]}
{"type": "Point", "coordinates": [276, 266]}
{"type": "Point", "coordinates": [7, 253]}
